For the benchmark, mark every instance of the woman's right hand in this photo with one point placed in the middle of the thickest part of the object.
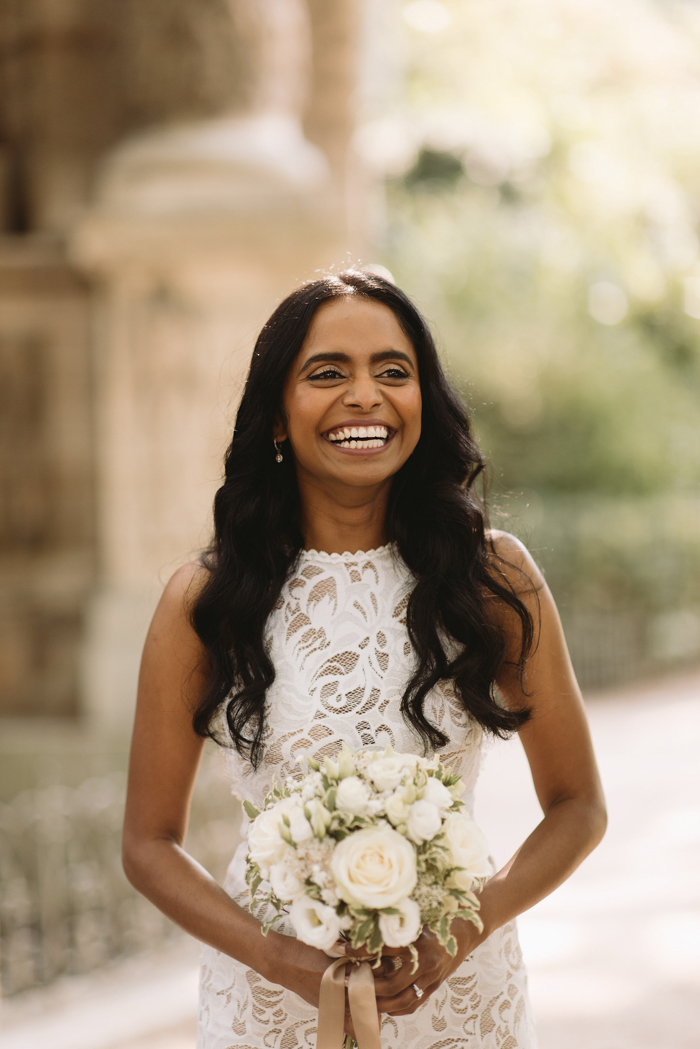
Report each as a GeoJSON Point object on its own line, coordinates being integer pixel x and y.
{"type": "Point", "coordinates": [300, 968]}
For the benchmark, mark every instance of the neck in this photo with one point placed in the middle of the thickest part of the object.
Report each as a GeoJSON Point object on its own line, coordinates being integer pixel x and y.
{"type": "Point", "coordinates": [351, 519]}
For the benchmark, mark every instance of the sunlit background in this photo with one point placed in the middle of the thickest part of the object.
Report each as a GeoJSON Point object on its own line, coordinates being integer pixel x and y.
{"type": "Point", "coordinates": [530, 173]}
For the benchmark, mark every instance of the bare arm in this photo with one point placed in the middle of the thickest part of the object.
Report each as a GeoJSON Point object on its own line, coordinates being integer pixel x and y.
{"type": "Point", "coordinates": [165, 757]}
{"type": "Point", "coordinates": [558, 748]}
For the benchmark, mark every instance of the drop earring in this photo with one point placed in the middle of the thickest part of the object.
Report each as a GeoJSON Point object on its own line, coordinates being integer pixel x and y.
{"type": "Point", "coordinates": [279, 457]}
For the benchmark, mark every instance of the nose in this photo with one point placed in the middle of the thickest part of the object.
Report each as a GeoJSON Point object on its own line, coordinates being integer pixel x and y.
{"type": "Point", "coordinates": [363, 393]}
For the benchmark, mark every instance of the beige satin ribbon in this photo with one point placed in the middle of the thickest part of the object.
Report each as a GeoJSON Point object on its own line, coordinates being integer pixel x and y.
{"type": "Point", "coordinates": [362, 1000]}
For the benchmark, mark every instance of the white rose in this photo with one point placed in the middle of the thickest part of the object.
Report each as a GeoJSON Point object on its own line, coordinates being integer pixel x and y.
{"type": "Point", "coordinates": [315, 923]}
{"type": "Point", "coordinates": [423, 822]}
{"type": "Point", "coordinates": [387, 772]}
{"type": "Point", "coordinates": [468, 849]}
{"type": "Point", "coordinates": [396, 808]}
{"type": "Point", "coordinates": [438, 795]}
{"type": "Point", "coordinates": [284, 881]}
{"type": "Point", "coordinates": [352, 796]}
{"type": "Point", "coordinates": [265, 844]}
{"type": "Point", "coordinates": [319, 817]}
{"type": "Point", "coordinates": [398, 930]}
{"type": "Point", "coordinates": [374, 867]}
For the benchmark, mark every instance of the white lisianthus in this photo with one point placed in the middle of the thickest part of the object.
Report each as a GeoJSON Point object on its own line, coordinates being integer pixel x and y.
{"type": "Point", "coordinates": [387, 772]}
{"type": "Point", "coordinates": [398, 930]}
{"type": "Point", "coordinates": [396, 808]}
{"type": "Point", "coordinates": [319, 817]}
{"type": "Point", "coordinates": [423, 822]}
{"type": "Point", "coordinates": [265, 843]}
{"type": "Point", "coordinates": [375, 867]}
{"type": "Point", "coordinates": [438, 795]}
{"type": "Point", "coordinates": [352, 796]}
{"type": "Point", "coordinates": [346, 765]}
{"type": "Point", "coordinates": [299, 826]}
{"type": "Point", "coordinates": [331, 768]}
{"type": "Point", "coordinates": [284, 881]}
{"type": "Point", "coordinates": [468, 850]}
{"type": "Point", "coordinates": [315, 923]}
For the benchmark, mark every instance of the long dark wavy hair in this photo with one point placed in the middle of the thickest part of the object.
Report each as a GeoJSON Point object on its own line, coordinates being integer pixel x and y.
{"type": "Point", "coordinates": [433, 517]}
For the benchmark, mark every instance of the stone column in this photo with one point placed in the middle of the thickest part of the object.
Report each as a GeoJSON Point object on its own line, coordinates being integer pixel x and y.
{"type": "Point", "coordinates": [197, 230]}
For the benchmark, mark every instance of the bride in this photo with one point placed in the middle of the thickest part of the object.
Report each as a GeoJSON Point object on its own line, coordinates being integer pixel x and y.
{"type": "Point", "coordinates": [352, 591]}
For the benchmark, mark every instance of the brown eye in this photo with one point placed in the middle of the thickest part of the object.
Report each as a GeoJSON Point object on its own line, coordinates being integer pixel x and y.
{"type": "Point", "coordinates": [393, 373]}
{"type": "Point", "coordinates": [327, 373]}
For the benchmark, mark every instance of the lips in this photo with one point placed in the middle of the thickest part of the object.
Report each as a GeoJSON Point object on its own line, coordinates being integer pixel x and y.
{"type": "Point", "coordinates": [360, 436]}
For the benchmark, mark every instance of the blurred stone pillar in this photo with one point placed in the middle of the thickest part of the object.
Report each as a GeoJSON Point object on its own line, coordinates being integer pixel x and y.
{"type": "Point", "coordinates": [196, 232]}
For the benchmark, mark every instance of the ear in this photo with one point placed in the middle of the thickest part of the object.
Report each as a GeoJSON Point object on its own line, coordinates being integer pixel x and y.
{"type": "Point", "coordinates": [279, 429]}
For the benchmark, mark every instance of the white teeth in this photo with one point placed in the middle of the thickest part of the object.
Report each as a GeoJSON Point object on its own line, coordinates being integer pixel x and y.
{"type": "Point", "coordinates": [360, 437]}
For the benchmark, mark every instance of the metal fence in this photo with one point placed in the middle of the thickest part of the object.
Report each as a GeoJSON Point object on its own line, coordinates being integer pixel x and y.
{"type": "Point", "coordinates": [65, 904]}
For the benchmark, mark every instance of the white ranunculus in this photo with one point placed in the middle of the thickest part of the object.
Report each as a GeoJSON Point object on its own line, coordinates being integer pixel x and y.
{"type": "Point", "coordinates": [398, 930]}
{"type": "Point", "coordinates": [468, 849]}
{"type": "Point", "coordinates": [265, 843]}
{"type": "Point", "coordinates": [396, 808]}
{"type": "Point", "coordinates": [387, 772]}
{"type": "Point", "coordinates": [374, 867]}
{"type": "Point", "coordinates": [352, 796]}
{"type": "Point", "coordinates": [423, 822]}
{"type": "Point", "coordinates": [438, 795]}
{"type": "Point", "coordinates": [319, 817]}
{"type": "Point", "coordinates": [284, 881]}
{"type": "Point", "coordinates": [315, 923]}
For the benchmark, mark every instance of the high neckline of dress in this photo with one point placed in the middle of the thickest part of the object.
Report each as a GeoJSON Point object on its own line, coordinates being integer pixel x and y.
{"type": "Point", "coordinates": [321, 555]}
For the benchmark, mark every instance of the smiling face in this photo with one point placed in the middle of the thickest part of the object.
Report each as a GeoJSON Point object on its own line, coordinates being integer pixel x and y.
{"type": "Point", "coordinates": [352, 398]}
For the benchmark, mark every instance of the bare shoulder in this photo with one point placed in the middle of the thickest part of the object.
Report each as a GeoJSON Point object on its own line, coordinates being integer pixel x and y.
{"type": "Point", "coordinates": [513, 559]}
{"type": "Point", "coordinates": [184, 587]}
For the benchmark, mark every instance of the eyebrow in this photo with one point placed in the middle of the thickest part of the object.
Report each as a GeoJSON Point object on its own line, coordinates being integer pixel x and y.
{"type": "Point", "coordinates": [339, 357]}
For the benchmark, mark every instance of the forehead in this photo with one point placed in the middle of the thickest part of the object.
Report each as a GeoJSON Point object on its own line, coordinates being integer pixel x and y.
{"type": "Point", "coordinates": [354, 324]}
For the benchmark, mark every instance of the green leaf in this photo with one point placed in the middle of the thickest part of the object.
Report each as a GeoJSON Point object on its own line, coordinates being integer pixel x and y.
{"type": "Point", "coordinates": [362, 932]}
{"type": "Point", "coordinates": [330, 799]}
{"type": "Point", "coordinates": [414, 955]}
{"type": "Point", "coordinates": [451, 946]}
{"type": "Point", "coordinates": [255, 884]}
{"type": "Point", "coordinates": [376, 940]}
{"type": "Point", "coordinates": [250, 809]}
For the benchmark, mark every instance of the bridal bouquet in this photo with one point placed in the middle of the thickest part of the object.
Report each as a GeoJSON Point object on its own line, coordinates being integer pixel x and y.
{"type": "Point", "coordinates": [369, 848]}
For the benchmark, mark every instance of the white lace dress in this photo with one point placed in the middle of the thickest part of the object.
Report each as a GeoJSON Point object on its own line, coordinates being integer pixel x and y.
{"type": "Point", "coordinates": [342, 657]}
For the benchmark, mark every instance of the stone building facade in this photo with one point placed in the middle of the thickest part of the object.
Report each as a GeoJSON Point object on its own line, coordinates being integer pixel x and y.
{"type": "Point", "coordinates": [168, 170]}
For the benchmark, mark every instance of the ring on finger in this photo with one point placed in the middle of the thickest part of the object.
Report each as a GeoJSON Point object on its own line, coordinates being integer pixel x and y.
{"type": "Point", "coordinates": [419, 992]}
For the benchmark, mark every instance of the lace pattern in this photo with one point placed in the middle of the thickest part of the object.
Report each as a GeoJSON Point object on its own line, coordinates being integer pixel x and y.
{"type": "Point", "coordinates": [338, 641]}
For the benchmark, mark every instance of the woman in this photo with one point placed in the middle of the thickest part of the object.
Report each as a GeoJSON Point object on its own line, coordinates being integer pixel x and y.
{"type": "Point", "coordinates": [429, 634]}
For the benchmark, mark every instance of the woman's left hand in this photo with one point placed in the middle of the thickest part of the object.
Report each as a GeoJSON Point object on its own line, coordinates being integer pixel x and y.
{"type": "Point", "coordinates": [396, 993]}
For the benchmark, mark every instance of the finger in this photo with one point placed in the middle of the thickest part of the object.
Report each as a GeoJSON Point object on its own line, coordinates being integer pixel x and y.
{"type": "Point", "coordinates": [408, 1001]}
{"type": "Point", "coordinates": [398, 981]}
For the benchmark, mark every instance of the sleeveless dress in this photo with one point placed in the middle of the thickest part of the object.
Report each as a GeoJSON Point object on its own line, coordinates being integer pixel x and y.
{"type": "Point", "coordinates": [338, 641]}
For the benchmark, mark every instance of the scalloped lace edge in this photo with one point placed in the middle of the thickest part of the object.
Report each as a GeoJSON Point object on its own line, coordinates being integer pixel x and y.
{"type": "Point", "coordinates": [321, 555]}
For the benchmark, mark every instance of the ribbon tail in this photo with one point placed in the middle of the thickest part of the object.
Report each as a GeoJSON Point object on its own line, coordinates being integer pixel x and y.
{"type": "Point", "coordinates": [363, 1007]}
{"type": "Point", "coordinates": [331, 1007]}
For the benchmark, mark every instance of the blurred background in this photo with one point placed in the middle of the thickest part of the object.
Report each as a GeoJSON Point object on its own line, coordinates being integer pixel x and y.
{"type": "Point", "coordinates": [170, 169]}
